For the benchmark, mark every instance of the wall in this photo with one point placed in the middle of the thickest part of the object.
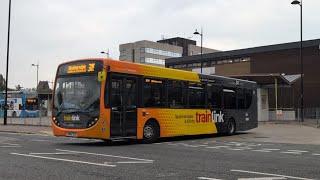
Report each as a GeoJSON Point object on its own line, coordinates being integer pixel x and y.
{"type": "Point", "coordinates": [288, 62]}
{"type": "Point", "coordinates": [263, 104]}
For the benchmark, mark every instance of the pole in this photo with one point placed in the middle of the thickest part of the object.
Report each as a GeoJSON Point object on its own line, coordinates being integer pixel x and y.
{"type": "Point", "coordinates": [7, 69]}
{"type": "Point", "coordinates": [37, 77]}
{"type": "Point", "coordinates": [276, 95]}
{"type": "Point", "coordinates": [201, 49]}
{"type": "Point", "coordinates": [301, 62]}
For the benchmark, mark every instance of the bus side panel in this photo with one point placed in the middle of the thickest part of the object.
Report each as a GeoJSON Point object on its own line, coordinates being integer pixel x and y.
{"type": "Point", "coordinates": [177, 122]}
{"type": "Point", "coordinates": [101, 130]}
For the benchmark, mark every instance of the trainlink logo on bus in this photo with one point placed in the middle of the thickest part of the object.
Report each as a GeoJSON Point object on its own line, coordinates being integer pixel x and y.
{"type": "Point", "coordinates": [209, 117]}
{"type": "Point", "coordinates": [72, 118]}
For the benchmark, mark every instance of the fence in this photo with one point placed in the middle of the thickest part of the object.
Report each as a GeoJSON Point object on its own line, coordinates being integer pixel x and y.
{"type": "Point", "coordinates": [36, 121]}
{"type": "Point", "coordinates": [309, 113]}
{"type": "Point", "coordinates": [294, 114]}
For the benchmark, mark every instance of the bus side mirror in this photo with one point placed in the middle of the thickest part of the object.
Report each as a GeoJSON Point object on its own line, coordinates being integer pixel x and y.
{"type": "Point", "coordinates": [101, 76]}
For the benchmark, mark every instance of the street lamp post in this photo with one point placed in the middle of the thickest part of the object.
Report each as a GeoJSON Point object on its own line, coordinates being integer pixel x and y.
{"type": "Point", "coordinates": [296, 2]}
{"type": "Point", "coordinates": [7, 70]}
{"type": "Point", "coordinates": [102, 52]}
{"type": "Point", "coordinates": [37, 89]}
{"type": "Point", "coordinates": [201, 34]}
{"type": "Point", "coordinates": [37, 75]}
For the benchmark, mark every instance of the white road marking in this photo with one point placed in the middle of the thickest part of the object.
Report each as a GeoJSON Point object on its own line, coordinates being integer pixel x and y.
{"type": "Point", "coordinates": [39, 140]}
{"type": "Point", "coordinates": [52, 153]}
{"type": "Point", "coordinates": [10, 146]}
{"type": "Point", "coordinates": [286, 152]}
{"type": "Point", "coordinates": [245, 148]}
{"type": "Point", "coordinates": [206, 178]}
{"type": "Point", "coordinates": [260, 150]}
{"type": "Point", "coordinates": [269, 174]}
{"type": "Point", "coordinates": [188, 145]}
{"type": "Point", "coordinates": [202, 145]}
{"type": "Point", "coordinates": [67, 160]}
{"type": "Point", "coordinates": [270, 149]}
{"type": "Point", "coordinates": [173, 144]}
{"type": "Point", "coordinates": [133, 162]}
{"type": "Point", "coordinates": [217, 147]}
{"type": "Point", "coordinates": [107, 155]}
{"type": "Point", "coordinates": [235, 149]}
{"type": "Point", "coordinates": [262, 178]}
{"type": "Point", "coordinates": [315, 154]}
{"type": "Point", "coordinates": [297, 151]}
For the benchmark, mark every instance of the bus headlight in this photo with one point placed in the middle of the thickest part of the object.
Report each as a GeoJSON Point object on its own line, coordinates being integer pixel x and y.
{"type": "Point", "coordinates": [92, 122]}
{"type": "Point", "coordinates": [55, 121]}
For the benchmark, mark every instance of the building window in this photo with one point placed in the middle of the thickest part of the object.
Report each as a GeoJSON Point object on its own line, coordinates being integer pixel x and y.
{"type": "Point", "coordinates": [142, 59]}
{"type": "Point", "coordinates": [160, 52]}
{"type": "Point", "coordinates": [153, 61]}
{"type": "Point", "coordinates": [229, 61]}
{"type": "Point", "coordinates": [123, 52]}
{"type": "Point", "coordinates": [245, 59]}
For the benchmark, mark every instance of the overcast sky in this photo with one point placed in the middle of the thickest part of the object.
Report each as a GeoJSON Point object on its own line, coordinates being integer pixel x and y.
{"type": "Point", "coordinates": [49, 32]}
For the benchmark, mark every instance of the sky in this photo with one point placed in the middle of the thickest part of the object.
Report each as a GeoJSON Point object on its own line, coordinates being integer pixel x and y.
{"type": "Point", "coordinates": [49, 32]}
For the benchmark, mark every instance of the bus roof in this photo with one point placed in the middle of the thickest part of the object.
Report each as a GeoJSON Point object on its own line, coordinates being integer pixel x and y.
{"type": "Point", "coordinates": [153, 71]}
{"type": "Point", "coordinates": [144, 69]}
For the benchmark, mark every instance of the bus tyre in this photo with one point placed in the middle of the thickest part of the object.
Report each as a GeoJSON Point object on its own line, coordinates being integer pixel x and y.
{"type": "Point", "coordinates": [14, 114]}
{"type": "Point", "coordinates": [231, 127]}
{"type": "Point", "coordinates": [150, 132]}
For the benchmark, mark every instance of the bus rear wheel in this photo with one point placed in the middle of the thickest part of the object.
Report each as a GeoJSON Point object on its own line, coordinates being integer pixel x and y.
{"type": "Point", "coordinates": [151, 132]}
{"type": "Point", "coordinates": [231, 127]}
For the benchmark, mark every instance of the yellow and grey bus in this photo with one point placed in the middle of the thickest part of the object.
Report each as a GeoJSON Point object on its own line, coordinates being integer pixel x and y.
{"type": "Point", "coordinates": [107, 99]}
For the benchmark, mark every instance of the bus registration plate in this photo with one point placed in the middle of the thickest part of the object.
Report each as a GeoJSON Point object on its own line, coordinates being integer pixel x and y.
{"type": "Point", "coordinates": [72, 134]}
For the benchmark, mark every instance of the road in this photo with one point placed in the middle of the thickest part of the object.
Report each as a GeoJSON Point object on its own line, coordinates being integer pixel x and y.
{"type": "Point", "coordinates": [33, 156]}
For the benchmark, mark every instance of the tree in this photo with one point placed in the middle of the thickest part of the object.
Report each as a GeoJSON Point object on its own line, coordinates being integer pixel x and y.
{"type": "Point", "coordinates": [2, 83]}
{"type": "Point", "coordinates": [18, 87]}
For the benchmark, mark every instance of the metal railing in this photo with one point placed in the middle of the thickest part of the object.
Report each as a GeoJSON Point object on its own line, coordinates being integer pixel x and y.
{"type": "Point", "coordinates": [309, 113]}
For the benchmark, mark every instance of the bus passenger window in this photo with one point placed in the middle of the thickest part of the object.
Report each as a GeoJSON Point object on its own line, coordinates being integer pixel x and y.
{"type": "Point", "coordinates": [177, 94]}
{"type": "Point", "coordinates": [196, 95]}
{"type": "Point", "coordinates": [214, 96]}
{"type": "Point", "coordinates": [229, 96]}
{"type": "Point", "coordinates": [240, 98]}
{"type": "Point", "coordinates": [154, 93]}
{"type": "Point", "coordinates": [248, 98]}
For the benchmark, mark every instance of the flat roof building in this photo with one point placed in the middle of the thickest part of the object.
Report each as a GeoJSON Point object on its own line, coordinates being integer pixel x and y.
{"type": "Point", "coordinates": [282, 59]}
{"type": "Point", "coordinates": [155, 53]}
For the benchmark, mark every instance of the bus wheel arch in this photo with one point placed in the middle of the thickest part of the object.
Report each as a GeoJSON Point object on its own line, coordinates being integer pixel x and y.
{"type": "Point", "coordinates": [231, 127]}
{"type": "Point", "coordinates": [151, 131]}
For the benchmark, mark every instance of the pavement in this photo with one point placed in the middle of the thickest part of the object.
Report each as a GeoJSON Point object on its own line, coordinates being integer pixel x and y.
{"type": "Point", "coordinates": [292, 132]}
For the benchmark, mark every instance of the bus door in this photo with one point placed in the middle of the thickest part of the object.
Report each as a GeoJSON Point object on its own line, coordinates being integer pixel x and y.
{"type": "Point", "coordinates": [123, 103]}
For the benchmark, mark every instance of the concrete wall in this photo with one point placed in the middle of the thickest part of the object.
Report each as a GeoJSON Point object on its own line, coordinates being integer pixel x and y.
{"type": "Point", "coordinates": [286, 115]}
{"type": "Point", "coordinates": [39, 121]}
{"type": "Point", "coordinates": [263, 104]}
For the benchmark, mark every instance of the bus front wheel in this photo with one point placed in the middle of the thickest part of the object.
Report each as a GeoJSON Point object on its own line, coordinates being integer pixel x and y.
{"type": "Point", "coordinates": [150, 132]}
{"type": "Point", "coordinates": [231, 127]}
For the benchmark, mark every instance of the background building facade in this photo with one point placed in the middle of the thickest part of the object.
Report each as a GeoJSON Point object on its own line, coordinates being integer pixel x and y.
{"type": "Point", "coordinates": [280, 59]}
{"type": "Point", "coordinates": [155, 53]}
